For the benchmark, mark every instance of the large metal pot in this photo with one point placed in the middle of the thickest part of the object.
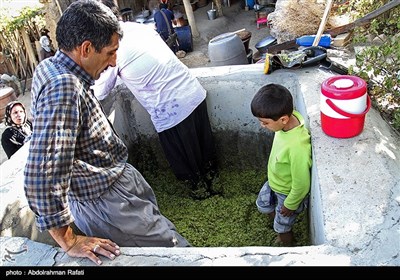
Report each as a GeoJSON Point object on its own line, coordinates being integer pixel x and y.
{"type": "Point", "coordinates": [262, 46]}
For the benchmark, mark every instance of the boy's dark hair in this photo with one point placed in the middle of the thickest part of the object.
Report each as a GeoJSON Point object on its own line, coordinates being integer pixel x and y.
{"type": "Point", "coordinates": [163, 6]}
{"type": "Point", "coordinates": [272, 101]}
{"type": "Point", "coordinates": [86, 20]}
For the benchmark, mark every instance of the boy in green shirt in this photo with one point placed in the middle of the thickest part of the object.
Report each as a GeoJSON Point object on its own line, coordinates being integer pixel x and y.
{"type": "Point", "coordinates": [285, 195]}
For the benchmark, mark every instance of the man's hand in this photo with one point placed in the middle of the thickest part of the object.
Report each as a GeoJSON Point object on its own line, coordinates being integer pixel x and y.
{"type": "Point", "coordinates": [92, 247]}
{"type": "Point", "coordinates": [84, 246]}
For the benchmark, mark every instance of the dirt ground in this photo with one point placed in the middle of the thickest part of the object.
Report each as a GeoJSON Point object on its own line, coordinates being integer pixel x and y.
{"type": "Point", "coordinates": [234, 18]}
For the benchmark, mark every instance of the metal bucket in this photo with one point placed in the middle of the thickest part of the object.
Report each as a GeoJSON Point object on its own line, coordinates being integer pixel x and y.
{"type": "Point", "coordinates": [212, 14]}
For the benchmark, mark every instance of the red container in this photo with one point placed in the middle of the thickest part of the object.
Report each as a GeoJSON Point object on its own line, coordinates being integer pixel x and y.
{"type": "Point", "coordinates": [344, 104]}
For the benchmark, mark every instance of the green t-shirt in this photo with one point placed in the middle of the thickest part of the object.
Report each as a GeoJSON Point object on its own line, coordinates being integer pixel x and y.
{"type": "Point", "coordinates": [290, 162]}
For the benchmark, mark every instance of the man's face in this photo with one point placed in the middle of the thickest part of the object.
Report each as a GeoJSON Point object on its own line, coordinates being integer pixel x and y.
{"type": "Point", "coordinates": [96, 62]}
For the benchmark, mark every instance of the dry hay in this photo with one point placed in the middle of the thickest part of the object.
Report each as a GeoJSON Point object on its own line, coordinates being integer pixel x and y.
{"type": "Point", "coordinates": [294, 18]}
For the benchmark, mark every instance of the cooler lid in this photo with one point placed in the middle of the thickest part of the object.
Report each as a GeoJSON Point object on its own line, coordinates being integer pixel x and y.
{"type": "Point", "coordinates": [344, 87]}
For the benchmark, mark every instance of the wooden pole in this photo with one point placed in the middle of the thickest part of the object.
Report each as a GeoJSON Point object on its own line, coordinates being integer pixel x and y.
{"type": "Point", "coordinates": [59, 7]}
{"type": "Point", "coordinates": [240, 30]}
{"type": "Point", "coordinates": [8, 57]}
{"type": "Point", "coordinates": [323, 22]}
{"type": "Point", "coordinates": [28, 46]}
{"type": "Point", "coordinates": [190, 16]}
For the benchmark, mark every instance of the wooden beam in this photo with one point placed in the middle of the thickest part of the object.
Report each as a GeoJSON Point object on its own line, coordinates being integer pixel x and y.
{"type": "Point", "coordinates": [28, 46]}
{"type": "Point", "coordinates": [190, 16]}
{"type": "Point", "coordinates": [323, 22]}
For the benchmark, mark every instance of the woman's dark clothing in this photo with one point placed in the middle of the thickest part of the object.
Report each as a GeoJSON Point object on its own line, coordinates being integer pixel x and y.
{"type": "Point", "coordinates": [13, 137]}
{"type": "Point", "coordinates": [189, 147]}
{"type": "Point", "coordinates": [161, 24]}
{"type": "Point", "coordinates": [45, 54]}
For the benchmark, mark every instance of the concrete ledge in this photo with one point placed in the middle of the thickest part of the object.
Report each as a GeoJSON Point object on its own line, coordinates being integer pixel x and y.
{"type": "Point", "coordinates": [354, 202]}
{"type": "Point", "coordinates": [358, 184]}
{"type": "Point", "coordinates": [39, 254]}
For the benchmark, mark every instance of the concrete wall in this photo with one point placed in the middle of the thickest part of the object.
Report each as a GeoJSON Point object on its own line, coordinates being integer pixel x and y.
{"type": "Point", "coordinates": [240, 140]}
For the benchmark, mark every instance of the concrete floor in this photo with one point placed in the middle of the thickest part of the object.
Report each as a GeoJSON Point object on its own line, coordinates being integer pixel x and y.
{"type": "Point", "coordinates": [234, 18]}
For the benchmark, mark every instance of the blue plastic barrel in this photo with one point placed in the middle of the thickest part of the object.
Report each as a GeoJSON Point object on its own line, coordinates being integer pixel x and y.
{"type": "Point", "coordinates": [250, 4]}
{"type": "Point", "coordinates": [185, 38]}
{"type": "Point", "coordinates": [308, 40]}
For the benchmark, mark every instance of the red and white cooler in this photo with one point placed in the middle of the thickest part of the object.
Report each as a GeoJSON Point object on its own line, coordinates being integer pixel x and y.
{"type": "Point", "coordinates": [344, 104]}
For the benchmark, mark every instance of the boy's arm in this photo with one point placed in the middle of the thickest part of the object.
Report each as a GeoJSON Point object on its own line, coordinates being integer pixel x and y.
{"type": "Point", "coordinates": [301, 177]}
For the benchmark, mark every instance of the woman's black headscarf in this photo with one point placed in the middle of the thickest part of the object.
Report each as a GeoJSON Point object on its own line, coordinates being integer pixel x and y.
{"type": "Point", "coordinates": [9, 107]}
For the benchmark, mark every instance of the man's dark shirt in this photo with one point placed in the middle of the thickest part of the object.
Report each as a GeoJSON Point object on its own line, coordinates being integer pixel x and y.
{"type": "Point", "coordinates": [161, 24]}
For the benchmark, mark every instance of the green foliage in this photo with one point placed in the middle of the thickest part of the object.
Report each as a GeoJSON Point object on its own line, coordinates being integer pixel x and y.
{"type": "Point", "coordinates": [28, 20]}
{"type": "Point", "coordinates": [378, 62]}
{"type": "Point", "coordinates": [27, 17]}
{"type": "Point", "coordinates": [227, 220]}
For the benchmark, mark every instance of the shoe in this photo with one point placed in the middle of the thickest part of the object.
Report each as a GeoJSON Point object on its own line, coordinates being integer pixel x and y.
{"type": "Point", "coordinates": [285, 239]}
{"type": "Point", "coordinates": [200, 194]}
{"type": "Point", "coordinates": [211, 179]}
